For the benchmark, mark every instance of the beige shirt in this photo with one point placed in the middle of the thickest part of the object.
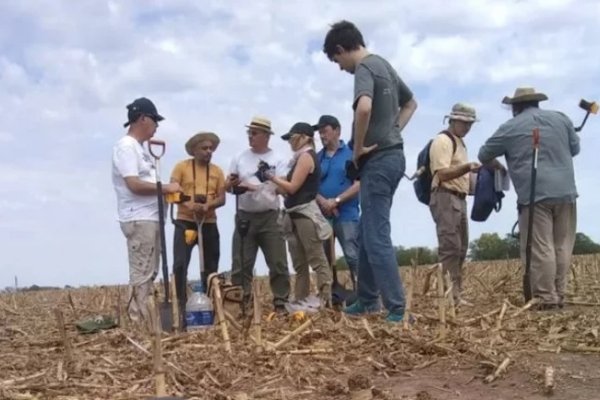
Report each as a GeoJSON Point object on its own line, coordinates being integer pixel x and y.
{"type": "Point", "coordinates": [440, 155]}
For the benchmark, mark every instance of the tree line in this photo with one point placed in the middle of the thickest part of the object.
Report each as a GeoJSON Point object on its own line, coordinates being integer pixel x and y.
{"type": "Point", "coordinates": [489, 246]}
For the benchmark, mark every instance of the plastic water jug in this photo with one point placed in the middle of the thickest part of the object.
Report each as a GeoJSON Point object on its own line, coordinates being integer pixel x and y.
{"type": "Point", "coordinates": [199, 313]}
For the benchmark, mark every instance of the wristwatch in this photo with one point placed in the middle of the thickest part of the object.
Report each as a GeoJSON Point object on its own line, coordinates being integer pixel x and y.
{"type": "Point", "coordinates": [338, 200]}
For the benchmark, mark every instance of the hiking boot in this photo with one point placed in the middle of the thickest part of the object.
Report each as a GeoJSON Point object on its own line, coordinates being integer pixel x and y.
{"type": "Point", "coordinates": [358, 308]}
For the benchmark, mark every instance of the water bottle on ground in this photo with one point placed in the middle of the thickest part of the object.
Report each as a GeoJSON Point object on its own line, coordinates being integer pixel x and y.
{"type": "Point", "coordinates": [199, 313]}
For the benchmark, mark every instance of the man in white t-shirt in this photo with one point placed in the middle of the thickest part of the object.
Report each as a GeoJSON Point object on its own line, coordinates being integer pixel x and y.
{"type": "Point", "coordinates": [134, 180]}
{"type": "Point", "coordinates": [257, 213]}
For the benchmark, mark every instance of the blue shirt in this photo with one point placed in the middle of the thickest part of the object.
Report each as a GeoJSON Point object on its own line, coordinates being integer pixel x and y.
{"type": "Point", "coordinates": [334, 181]}
{"type": "Point", "coordinates": [559, 143]}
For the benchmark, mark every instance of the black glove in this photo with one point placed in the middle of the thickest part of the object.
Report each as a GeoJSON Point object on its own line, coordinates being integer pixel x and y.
{"type": "Point", "coordinates": [237, 190]}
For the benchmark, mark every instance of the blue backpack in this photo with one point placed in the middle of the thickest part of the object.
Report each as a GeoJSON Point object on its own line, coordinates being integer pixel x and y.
{"type": "Point", "coordinates": [422, 183]}
{"type": "Point", "coordinates": [486, 199]}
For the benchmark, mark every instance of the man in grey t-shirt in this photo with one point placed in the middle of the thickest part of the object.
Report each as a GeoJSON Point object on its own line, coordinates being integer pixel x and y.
{"type": "Point", "coordinates": [382, 105]}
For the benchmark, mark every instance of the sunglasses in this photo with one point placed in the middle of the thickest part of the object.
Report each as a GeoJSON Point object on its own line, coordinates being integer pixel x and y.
{"type": "Point", "coordinates": [254, 133]}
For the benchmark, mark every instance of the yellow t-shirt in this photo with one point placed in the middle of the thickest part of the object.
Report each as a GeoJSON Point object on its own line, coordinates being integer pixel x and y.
{"type": "Point", "coordinates": [183, 173]}
{"type": "Point", "coordinates": [440, 155]}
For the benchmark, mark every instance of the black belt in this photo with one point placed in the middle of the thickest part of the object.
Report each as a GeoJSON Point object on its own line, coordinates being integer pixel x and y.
{"type": "Point", "coordinates": [363, 159]}
{"type": "Point", "coordinates": [460, 195]}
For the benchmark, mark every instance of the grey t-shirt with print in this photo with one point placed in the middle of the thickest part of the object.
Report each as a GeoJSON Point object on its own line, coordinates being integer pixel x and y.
{"type": "Point", "coordinates": [375, 77]}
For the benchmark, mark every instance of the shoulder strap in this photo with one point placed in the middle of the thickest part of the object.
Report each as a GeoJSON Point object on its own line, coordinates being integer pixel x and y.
{"type": "Point", "coordinates": [194, 176]}
{"type": "Point", "coordinates": [207, 177]}
{"type": "Point", "coordinates": [451, 136]}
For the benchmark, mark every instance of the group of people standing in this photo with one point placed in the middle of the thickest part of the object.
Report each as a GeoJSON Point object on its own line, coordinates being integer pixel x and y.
{"type": "Point", "coordinates": [322, 191]}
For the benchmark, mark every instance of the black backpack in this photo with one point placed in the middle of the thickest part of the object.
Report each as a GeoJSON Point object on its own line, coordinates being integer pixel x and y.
{"type": "Point", "coordinates": [422, 183]}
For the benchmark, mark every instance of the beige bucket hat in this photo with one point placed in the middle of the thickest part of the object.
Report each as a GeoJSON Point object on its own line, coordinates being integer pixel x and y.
{"type": "Point", "coordinates": [462, 112]}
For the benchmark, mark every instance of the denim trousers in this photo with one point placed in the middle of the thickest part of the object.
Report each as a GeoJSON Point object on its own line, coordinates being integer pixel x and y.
{"type": "Point", "coordinates": [346, 233]}
{"type": "Point", "coordinates": [378, 272]}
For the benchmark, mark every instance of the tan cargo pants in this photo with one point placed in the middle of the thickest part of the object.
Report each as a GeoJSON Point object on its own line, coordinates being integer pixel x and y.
{"type": "Point", "coordinates": [449, 213]}
{"type": "Point", "coordinates": [143, 247]}
{"type": "Point", "coordinates": [553, 238]}
{"type": "Point", "coordinates": [307, 249]}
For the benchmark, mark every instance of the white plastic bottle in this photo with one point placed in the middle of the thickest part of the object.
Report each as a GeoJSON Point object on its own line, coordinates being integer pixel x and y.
{"type": "Point", "coordinates": [199, 313]}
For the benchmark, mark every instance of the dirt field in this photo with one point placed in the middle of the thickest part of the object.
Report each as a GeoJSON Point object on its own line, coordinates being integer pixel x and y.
{"type": "Point", "coordinates": [334, 358]}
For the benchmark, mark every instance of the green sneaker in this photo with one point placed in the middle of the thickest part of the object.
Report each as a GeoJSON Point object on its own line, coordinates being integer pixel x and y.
{"type": "Point", "coordinates": [358, 308]}
{"type": "Point", "coordinates": [394, 317]}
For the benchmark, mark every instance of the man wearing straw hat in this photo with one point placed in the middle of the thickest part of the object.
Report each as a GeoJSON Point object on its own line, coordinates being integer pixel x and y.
{"type": "Point", "coordinates": [258, 209]}
{"type": "Point", "coordinates": [554, 205]}
{"type": "Point", "coordinates": [450, 167]}
{"type": "Point", "coordinates": [204, 183]}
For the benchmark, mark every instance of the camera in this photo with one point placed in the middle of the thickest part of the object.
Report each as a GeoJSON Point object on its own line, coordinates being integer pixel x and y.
{"type": "Point", "coordinates": [200, 198]}
{"type": "Point", "coordinates": [352, 172]}
{"type": "Point", "coordinates": [263, 168]}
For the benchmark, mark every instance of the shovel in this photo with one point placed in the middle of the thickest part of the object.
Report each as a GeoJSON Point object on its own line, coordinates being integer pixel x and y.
{"type": "Point", "coordinates": [199, 225]}
{"type": "Point", "coordinates": [340, 295]}
{"type": "Point", "coordinates": [165, 309]}
{"type": "Point", "coordinates": [589, 107]}
{"type": "Point", "coordinates": [526, 277]}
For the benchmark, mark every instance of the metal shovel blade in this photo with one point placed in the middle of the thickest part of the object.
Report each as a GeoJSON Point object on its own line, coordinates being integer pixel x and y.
{"type": "Point", "coordinates": [166, 316]}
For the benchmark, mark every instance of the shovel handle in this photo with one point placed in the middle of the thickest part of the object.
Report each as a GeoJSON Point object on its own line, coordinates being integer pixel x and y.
{"type": "Point", "coordinates": [536, 138]}
{"type": "Point", "coordinates": [157, 143]}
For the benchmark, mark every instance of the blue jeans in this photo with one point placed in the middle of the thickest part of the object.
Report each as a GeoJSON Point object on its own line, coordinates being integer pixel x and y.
{"type": "Point", "coordinates": [378, 269]}
{"type": "Point", "coordinates": [347, 236]}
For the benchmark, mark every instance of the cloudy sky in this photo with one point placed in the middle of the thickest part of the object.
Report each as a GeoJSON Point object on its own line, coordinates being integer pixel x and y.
{"type": "Point", "coordinates": [67, 70]}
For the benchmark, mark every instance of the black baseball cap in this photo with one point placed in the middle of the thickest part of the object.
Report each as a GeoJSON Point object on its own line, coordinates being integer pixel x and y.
{"type": "Point", "coordinates": [142, 106]}
{"type": "Point", "coordinates": [327, 120]}
{"type": "Point", "coordinates": [300, 127]}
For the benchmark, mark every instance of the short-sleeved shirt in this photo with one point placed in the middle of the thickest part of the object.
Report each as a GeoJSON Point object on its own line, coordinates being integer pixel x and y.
{"type": "Point", "coordinates": [374, 77]}
{"type": "Point", "coordinates": [334, 181]}
{"type": "Point", "coordinates": [559, 143]}
{"type": "Point", "coordinates": [130, 159]}
{"type": "Point", "coordinates": [441, 156]}
{"type": "Point", "coordinates": [245, 165]}
{"type": "Point", "coordinates": [183, 173]}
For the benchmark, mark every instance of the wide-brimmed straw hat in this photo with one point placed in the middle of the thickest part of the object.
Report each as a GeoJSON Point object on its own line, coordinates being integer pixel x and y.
{"type": "Point", "coordinates": [261, 124]}
{"type": "Point", "coordinates": [523, 94]}
{"type": "Point", "coordinates": [200, 137]}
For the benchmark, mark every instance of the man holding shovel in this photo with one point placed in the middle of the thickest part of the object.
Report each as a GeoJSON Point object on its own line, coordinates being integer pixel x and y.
{"type": "Point", "coordinates": [134, 180]}
{"type": "Point", "coordinates": [204, 183]}
{"type": "Point", "coordinates": [545, 183]}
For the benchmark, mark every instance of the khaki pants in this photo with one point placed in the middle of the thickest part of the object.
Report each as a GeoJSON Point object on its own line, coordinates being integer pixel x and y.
{"type": "Point", "coordinates": [307, 249]}
{"type": "Point", "coordinates": [143, 247]}
{"type": "Point", "coordinates": [263, 232]}
{"type": "Point", "coordinates": [450, 215]}
{"type": "Point", "coordinates": [553, 238]}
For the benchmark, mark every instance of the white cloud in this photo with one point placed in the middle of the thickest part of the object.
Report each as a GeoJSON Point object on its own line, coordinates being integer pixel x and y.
{"type": "Point", "coordinates": [68, 70]}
